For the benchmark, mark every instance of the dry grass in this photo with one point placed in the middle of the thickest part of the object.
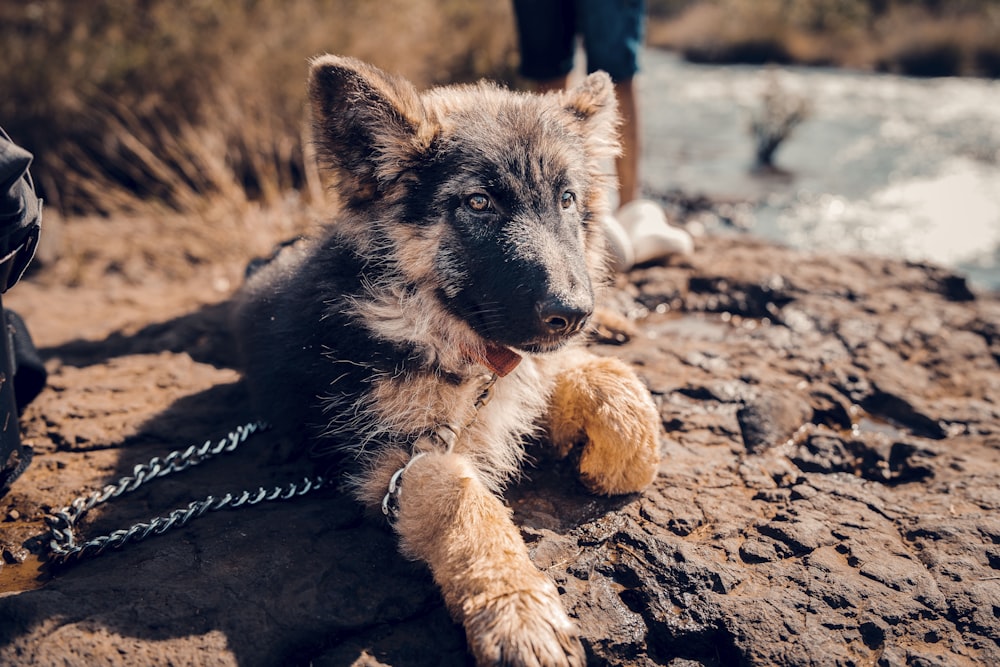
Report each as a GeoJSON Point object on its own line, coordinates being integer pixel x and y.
{"type": "Point", "coordinates": [173, 103]}
{"type": "Point", "coordinates": [918, 43]}
{"type": "Point", "coordinates": [921, 38]}
{"type": "Point", "coordinates": [742, 32]}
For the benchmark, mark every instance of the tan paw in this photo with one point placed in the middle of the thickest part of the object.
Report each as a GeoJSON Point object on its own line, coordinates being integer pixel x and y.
{"type": "Point", "coordinates": [604, 405]}
{"type": "Point", "coordinates": [526, 628]}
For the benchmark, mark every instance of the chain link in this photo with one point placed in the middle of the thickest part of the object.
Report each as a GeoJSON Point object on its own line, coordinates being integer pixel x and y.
{"type": "Point", "coordinates": [442, 438]}
{"type": "Point", "coordinates": [63, 546]}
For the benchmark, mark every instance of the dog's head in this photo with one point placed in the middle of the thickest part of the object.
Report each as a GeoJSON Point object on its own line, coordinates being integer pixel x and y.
{"type": "Point", "coordinates": [493, 199]}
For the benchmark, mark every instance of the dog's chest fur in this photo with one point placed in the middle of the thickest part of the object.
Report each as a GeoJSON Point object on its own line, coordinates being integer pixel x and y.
{"type": "Point", "coordinates": [491, 436]}
{"type": "Point", "coordinates": [368, 364]}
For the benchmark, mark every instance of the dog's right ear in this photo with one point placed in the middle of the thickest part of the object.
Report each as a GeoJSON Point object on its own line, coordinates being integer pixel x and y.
{"type": "Point", "coordinates": [368, 126]}
{"type": "Point", "coordinates": [594, 106]}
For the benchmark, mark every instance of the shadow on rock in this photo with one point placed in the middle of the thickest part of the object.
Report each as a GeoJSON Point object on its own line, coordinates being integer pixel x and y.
{"type": "Point", "coordinates": [551, 497]}
{"type": "Point", "coordinates": [275, 583]}
{"type": "Point", "coordinates": [203, 334]}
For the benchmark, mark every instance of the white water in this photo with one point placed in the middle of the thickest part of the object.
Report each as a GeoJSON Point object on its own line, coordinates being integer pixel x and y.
{"type": "Point", "coordinates": [886, 164]}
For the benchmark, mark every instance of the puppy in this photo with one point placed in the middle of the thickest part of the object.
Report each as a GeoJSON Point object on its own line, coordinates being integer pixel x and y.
{"type": "Point", "coordinates": [437, 322]}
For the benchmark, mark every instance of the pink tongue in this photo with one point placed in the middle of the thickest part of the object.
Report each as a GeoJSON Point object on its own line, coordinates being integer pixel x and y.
{"type": "Point", "coordinates": [499, 359]}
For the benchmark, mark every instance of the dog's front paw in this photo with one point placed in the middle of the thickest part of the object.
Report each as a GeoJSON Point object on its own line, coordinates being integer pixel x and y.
{"type": "Point", "coordinates": [604, 405]}
{"type": "Point", "coordinates": [525, 628]}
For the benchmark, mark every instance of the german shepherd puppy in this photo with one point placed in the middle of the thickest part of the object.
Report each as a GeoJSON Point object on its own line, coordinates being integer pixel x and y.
{"type": "Point", "coordinates": [467, 249]}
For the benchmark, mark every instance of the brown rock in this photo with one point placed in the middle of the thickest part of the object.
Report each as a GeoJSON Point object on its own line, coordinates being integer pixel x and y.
{"type": "Point", "coordinates": [867, 537]}
{"type": "Point", "coordinates": [771, 419]}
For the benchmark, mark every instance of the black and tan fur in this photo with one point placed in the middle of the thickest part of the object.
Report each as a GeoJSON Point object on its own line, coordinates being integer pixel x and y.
{"type": "Point", "coordinates": [470, 224]}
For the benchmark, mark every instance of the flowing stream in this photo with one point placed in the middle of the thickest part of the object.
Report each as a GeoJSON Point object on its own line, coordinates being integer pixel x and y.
{"type": "Point", "coordinates": [884, 164]}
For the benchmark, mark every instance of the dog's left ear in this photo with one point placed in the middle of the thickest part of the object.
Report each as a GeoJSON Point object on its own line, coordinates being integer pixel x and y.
{"type": "Point", "coordinates": [594, 105]}
{"type": "Point", "coordinates": [368, 126]}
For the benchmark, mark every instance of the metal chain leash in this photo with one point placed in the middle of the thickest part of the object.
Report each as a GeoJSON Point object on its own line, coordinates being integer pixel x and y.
{"type": "Point", "coordinates": [442, 438]}
{"type": "Point", "coordinates": [63, 545]}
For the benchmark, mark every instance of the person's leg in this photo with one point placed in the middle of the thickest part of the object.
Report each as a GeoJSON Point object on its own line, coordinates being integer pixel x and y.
{"type": "Point", "coordinates": [546, 31]}
{"type": "Point", "coordinates": [612, 36]}
{"type": "Point", "coordinates": [627, 163]}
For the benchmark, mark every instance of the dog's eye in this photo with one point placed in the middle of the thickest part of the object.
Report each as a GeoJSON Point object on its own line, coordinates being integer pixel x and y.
{"type": "Point", "coordinates": [478, 202]}
{"type": "Point", "coordinates": [567, 199]}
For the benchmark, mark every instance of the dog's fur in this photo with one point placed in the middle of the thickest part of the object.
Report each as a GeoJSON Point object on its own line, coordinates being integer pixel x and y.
{"type": "Point", "coordinates": [470, 226]}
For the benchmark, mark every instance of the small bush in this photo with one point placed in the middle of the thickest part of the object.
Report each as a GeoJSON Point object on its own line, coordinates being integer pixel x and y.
{"type": "Point", "coordinates": [780, 112]}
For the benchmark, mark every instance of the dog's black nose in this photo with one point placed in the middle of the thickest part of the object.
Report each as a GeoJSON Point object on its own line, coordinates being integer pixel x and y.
{"type": "Point", "coordinates": [559, 317]}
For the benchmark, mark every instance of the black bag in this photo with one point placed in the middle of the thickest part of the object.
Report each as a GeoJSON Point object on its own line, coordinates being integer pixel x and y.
{"type": "Point", "coordinates": [22, 374]}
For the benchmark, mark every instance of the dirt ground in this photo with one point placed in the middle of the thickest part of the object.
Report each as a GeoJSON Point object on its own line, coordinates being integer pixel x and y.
{"type": "Point", "coordinates": [829, 495]}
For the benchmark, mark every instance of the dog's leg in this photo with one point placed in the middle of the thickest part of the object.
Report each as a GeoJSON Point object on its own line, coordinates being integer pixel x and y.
{"type": "Point", "coordinates": [511, 612]}
{"type": "Point", "coordinates": [599, 402]}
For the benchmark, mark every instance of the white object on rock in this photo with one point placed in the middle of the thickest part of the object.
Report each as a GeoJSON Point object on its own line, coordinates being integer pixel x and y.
{"type": "Point", "coordinates": [621, 256]}
{"type": "Point", "coordinates": [652, 236]}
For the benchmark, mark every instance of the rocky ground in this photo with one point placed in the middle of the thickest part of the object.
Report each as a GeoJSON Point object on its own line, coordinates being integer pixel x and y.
{"type": "Point", "coordinates": [829, 494]}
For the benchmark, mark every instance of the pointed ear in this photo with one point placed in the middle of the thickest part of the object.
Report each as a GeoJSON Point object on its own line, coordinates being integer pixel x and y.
{"type": "Point", "coordinates": [368, 126]}
{"type": "Point", "coordinates": [595, 107]}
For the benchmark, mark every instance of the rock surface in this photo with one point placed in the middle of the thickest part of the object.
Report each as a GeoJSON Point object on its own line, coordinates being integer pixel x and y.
{"type": "Point", "coordinates": [829, 494]}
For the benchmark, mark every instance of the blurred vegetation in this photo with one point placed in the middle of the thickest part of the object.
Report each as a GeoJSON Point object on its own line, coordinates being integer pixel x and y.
{"type": "Point", "coordinates": [914, 37]}
{"type": "Point", "coordinates": [774, 121]}
{"type": "Point", "coordinates": [130, 102]}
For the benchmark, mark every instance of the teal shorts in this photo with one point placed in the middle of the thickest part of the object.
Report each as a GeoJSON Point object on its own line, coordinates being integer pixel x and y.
{"type": "Point", "coordinates": [612, 32]}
